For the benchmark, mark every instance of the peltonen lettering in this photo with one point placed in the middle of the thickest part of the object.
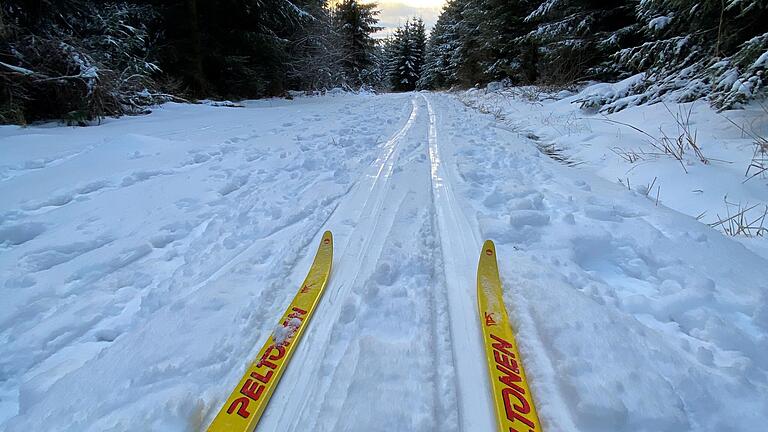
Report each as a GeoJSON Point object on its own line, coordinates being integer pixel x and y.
{"type": "Point", "coordinates": [509, 378]}
{"type": "Point", "coordinates": [507, 361]}
{"type": "Point", "coordinates": [265, 359]}
{"type": "Point", "coordinates": [515, 403]}
{"type": "Point", "coordinates": [264, 379]}
{"type": "Point", "coordinates": [243, 410]}
{"type": "Point", "coordinates": [252, 389]}
{"type": "Point", "coordinates": [502, 345]}
{"type": "Point", "coordinates": [297, 313]}
{"type": "Point", "coordinates": [511, 410]}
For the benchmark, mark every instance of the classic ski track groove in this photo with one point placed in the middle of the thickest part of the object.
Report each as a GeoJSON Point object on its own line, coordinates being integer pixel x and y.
{"type": "Point", "coordinates": [289, 399]}
{"type": "Point", "coordinates": [460, 242]}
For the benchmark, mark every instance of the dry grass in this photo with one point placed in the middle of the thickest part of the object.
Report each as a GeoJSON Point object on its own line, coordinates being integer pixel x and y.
{"type": "Point", "coordinates": [646, 190]}
{"type": "Point", "coordinates": [758, 165]}
{"type": "Point", "coordinates": [630, 156]}
{"type": "Point", "coordinates": [554, 152]}
{"type": "Point", "coordinates": [737, 221]}
{"type": "Point", "coordinates": [683, 142]}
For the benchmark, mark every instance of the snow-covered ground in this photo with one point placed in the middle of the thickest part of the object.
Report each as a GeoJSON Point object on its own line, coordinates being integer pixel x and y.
{"type": "Point", "coordinates": [628, 147]}
{"type": "Point", "coordinates": [144, 261]}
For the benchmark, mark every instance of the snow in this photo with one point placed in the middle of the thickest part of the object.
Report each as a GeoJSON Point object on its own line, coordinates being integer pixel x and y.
{"type": "Point", "coordinates": [761, 61]}
{"type": "Point", "coordinates": [145, 261]}
{"type": "Point", "coordinates": [659, 23]}
{"type": "Point", "coordinates": [604, 144]}
{"type": "Point", "coordinates": [283, 332]}
{"type": "Point", "coordinates": [17, 69]}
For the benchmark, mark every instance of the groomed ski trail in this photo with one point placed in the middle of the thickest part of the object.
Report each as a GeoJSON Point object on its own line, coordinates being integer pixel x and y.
{"type": "Point", "coordinates": [623, 323]}
{"type": "Point", "coordinates": [459, 245]}
{"type": "Point", "coordinates": [461, 393]}
{"type": "Point", "coordinates": [364, 222]}
{"type": "Point", "coordinates": [232, 238]}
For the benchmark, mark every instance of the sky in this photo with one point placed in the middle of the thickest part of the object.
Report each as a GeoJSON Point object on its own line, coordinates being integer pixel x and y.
{"type": "Point", "coordinates": [396, 12]}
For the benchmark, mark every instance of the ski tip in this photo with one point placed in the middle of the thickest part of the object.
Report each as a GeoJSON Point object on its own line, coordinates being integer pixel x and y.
{"type": "Point", "coordinates": [327, 238]}
{"type": "Point", "coordinates": [489, 248]}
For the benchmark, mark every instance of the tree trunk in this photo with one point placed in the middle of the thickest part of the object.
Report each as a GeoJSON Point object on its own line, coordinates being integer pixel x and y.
{"type": "Point", "coordinates": [194, 44]}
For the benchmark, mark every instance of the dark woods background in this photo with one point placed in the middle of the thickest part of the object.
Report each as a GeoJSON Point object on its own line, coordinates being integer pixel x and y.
{"type": "Point", "coordinates": [687, 49]}
{"type": "Point", "coordinates": [80, 60]}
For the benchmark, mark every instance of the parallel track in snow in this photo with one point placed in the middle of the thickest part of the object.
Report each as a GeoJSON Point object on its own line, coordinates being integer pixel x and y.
{"type": "Point", "coordinates": [460, 243]}
{"type": "Point", "coordinates": [373, 205]}
{"type": "Point", "coordinates": [362, 244]}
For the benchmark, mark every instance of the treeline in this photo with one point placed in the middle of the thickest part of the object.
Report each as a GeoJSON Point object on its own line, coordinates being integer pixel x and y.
{"type": "Point", "coordinates": [84, 59]}
{"type": "Point", "coordinates": [685, 49]}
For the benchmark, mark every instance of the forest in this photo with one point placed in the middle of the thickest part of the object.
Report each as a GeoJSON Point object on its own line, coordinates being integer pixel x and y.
{"type": "Point", "coordinates": [80, 60]}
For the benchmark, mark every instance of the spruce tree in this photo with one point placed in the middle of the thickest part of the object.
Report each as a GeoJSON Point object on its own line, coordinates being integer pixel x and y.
{"type": "Point", "coordinates": [695, 48]}
{"type": "Point", "coordinates": [230, 48]}
{"type": "Point", "coordinates": [468, 57]}
{"type": "Point", "coordinates": [577, 36]}
{"type": "Point", "coordinates": [406, 55]}
{"type": "Point", "coordinates": [315, 57]}
{"type": "Point", "coordinates": [439, 70]}
{"type": "Point", "coordinates": [356, 22]}
{"type": "Point", "coordinates": [506, 54]}
{"type": "Point", "coordinates": [75, 60]}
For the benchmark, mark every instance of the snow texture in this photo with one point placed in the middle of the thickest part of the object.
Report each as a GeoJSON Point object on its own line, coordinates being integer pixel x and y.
{"type": "Point", "coordinates": [145, 261]}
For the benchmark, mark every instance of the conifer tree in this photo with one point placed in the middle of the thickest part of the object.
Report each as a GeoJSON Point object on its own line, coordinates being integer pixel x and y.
{"type": "Point", "coordinates": [406, 55]}
{"type": "Point", "coordinates": [439, 68]}
{"type": "Point", "coordinates": [468, 57]}
{"type": "Point", "coordinates": [60, 59]}
{"type": "Point", "coordinates": [506, 54]}
{"type": "Point", "coordinates": [437, 58]}
{"type": "Point", "coordinates": [577, 36]}
{"type": "Point", "coordinates": [356, 22]}
{"type": "Point", "coordinates": [315, 58]}
{"type": "Point", "coordinates": [695, 48]}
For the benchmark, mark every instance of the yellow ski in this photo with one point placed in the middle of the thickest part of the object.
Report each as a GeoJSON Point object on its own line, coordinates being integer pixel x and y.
{"type": "Point", "coordinates": [509, 388]}
{"type": "Point", "coordinates": [242, 411]}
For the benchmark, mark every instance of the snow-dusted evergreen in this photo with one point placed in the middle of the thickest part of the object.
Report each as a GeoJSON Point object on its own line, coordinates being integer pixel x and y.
{"type": "Point", "coordinates": [439, 68]}
{"type": "Point", "coordinates": [575, 37]}
{"type": "Point", "coordinates": [694, 49]}
{"type": "Point", "coordinates": [80, 60]}
{"type": "Point", "coordinates": [678, 49]}
{"type": "Point", "coordinates": [506, 53]}
{"type": "Point", "coordinates": [356, 22]}
{"type": "Point", "coordinates": [58, 59]}
{"type": "Point", "coordinates": [405, 55]}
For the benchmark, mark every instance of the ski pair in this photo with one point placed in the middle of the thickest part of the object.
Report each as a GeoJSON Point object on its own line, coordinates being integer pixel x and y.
{"type": "Point", "coordinates": [511, 394]}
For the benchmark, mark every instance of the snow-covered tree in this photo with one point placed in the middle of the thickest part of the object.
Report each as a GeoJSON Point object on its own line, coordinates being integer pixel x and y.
{"type": "Point", "coordinates": [467, 58]}
{"type": "Point", "coordinates": [479, 41]}
{"type": "Point", "coordinates": [439, 70]}
{"type": "Point", "coordinates": [231, 48]}
{"type": "Point", "coordinates": [60, 59]}
{"type": "Point", "coordinates": [316, 56]}
{"type": "Point", "coordinates": [405, 52]}
{"type": "Point", "coordinates": [695, 48]}
{"type": "Point", "coordinates": [576, 37]}
{"type": "Point", "coordinates": [506, 54]}
{"type": "Point", "coordinates": [356, 22]}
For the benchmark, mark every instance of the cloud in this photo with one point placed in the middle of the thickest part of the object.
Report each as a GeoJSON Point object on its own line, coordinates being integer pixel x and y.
{"type": "Point", "coordinates": [394, 14]}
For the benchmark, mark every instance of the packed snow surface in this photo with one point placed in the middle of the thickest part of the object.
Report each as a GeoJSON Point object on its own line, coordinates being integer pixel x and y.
{"type": "Point", "coordinates": [144, 261]}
